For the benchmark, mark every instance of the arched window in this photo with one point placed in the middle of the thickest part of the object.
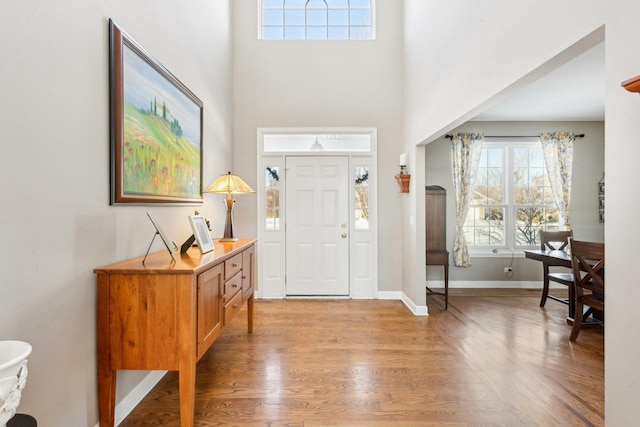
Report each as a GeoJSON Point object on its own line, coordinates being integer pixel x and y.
{"type": "Point", "coordinates": [317, 20]}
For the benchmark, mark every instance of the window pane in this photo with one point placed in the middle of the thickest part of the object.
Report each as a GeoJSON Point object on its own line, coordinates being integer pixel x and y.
{"type": "Point", "coordinates": [294, 33]}
{"type": "Point", "coordinates": [272, 17]}
{"type": "Point", "coordinates": [520, 194]}
{"type": "Point", "coordinates": [536, 158]}
{"type": "Point", "coordinates": [495, 186]}
{"type": "Point", "coordinates": [272, 198]}
{"type": "Point", "coordinates": [273, 33]}
{"type": "Point", "coordinates": [361, 197]}
{"type": "Point", "coordinates": [490, 178]}
{"type": "Point", "coordinates": [339, 33]}
{"type": "Point", "coordinates": [360, 33]}
{"type": "Point", "coordinates": [338, 17]}
{"type": "Point", "coordinates": [338, 4]}
{"type": "Point", "coordinates": [316, 4]}
{"type": "Point", "coordinates": [295, 4]}
{"type": "Point", "coordinates": [529, 222]}
{"type": "Point", "coordinates": [485, 226]}
{"type": "Point", "coordinates": [360, 17]}
{"type": "Point", "coordinates": [364, 4]}
{"type": "Point", "coordinates": [317, 33]}
{"type": "Point", "coordinates": [316, 17]}
{"type": "Point", "coordinates": [530, 181]}
{"type": "Point", "coordinates": [480, 195]}
{"type": "Point", "coordinates": [494, 158]}
{"type": "Point", "coordinates": [294, 17]}
{"type": "Point", "coordinates": [272, 4]}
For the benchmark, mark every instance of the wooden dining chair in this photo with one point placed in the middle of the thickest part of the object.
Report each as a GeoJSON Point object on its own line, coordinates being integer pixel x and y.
{"type": "Point", "coordinates": [587, 262]}
{"type": "Point", "coordinates": [555, 241]}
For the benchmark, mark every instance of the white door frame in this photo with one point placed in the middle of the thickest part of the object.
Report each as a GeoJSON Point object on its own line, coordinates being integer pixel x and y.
{"type": "Point", "coordinates": [271, 245]}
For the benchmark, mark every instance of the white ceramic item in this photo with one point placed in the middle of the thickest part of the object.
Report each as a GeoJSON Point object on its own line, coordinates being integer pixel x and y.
{"type": "Point", "coordinates": [13, 376]}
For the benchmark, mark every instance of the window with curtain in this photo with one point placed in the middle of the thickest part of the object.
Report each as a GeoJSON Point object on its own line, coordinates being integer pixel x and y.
{"type": "Point", "coordinates": [512, 200]}
{"type": "Point", "coordinates": [317, 20]}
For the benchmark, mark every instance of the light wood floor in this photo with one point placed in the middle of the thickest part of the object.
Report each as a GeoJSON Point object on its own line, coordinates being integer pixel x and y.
{"type": "Point", "coordinates": [494, 358]}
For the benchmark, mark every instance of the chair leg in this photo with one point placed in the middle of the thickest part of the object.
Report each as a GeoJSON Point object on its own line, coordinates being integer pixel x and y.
{"type": "Point", "coordinates": [577, 321]}
{"type": "Point", "coordinates": [446, 286]}
{"type": "Point", "coordinates": [572, 302]}
{"type": "Point", "coordinates": [545, 284]}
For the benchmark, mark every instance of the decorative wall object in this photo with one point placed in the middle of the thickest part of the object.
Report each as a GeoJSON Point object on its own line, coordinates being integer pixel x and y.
{"type": "Point", "coordinates": [156, 129]}
{"type": "Point", "coordinates": [403, 178]}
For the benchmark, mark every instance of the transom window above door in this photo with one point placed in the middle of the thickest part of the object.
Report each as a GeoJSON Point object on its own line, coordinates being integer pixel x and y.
{"type": "Point", "coordinates": [317, 20]}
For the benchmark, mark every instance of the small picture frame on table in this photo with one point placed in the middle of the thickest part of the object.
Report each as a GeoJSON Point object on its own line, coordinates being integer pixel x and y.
{"type": "Point", "coordinates": [201, 233]}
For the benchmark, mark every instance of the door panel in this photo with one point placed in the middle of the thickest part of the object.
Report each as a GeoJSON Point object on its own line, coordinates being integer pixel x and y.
{"type": "Point", "coordinates": [317, 234]}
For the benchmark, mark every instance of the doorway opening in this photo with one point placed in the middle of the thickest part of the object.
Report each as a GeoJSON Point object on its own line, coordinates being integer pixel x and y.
{"type": "Point", "coordinates": [317, 213]}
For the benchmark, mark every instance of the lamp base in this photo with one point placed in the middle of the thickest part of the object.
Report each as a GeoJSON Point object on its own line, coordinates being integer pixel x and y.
{"type": "Point", "coordinates": [229, 239]}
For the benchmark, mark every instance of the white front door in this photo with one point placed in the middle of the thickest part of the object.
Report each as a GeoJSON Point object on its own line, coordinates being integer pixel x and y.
{"type": "Point", "coordinates": [317, 228]}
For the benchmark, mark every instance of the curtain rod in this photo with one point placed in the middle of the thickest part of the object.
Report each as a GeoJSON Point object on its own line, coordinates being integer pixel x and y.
{"type": "Point", "coordinates": [513, 136]}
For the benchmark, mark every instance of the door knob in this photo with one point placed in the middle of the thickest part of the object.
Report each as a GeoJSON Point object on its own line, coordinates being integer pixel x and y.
{"type": "Point", "coordinates": [344, 235]}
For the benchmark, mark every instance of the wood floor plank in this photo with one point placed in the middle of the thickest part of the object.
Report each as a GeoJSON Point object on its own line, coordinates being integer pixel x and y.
{"type": "Point", "coordinates": [494, 358]}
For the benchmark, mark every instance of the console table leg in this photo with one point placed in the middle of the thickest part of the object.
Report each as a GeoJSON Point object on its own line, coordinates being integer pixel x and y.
{"type": "Point", "coordinates": [106, 397]}
{"type": "Point", "coordinates": [106, 377]}
{"type": "Point", "coordinates": [250, 314]}
{"type": "Point", "coordinates": [187, 385]}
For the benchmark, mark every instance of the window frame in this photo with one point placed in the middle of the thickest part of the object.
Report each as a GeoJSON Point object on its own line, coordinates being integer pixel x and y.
{"type": "Point", "coordinates": [349, 27]}
{"type": "Point", "coordinates": [510, 245]}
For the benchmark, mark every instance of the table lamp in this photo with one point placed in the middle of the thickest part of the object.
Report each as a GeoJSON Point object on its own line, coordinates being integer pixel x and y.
{"type": "Point", "coordinates": [229, 184]}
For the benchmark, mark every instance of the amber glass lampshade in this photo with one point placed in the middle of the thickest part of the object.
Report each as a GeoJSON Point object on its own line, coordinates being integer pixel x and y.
{"type": "Point", "coordinates": [229, 184]}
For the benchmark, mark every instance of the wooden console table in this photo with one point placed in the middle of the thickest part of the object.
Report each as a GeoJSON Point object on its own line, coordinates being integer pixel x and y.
{"type": "Point", "coordinates": [165, 315]}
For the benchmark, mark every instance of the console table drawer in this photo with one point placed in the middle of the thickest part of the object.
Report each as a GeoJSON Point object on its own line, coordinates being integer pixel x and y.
{"type": "Point", "coordinates": [232, 266]}
{"type": "Point", "coordinates": [232, 307]}
{"type": "Point", "coordinates": [232, 286]}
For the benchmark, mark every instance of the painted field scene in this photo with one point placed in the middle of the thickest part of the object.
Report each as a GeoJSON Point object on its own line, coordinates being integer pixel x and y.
{"type": "Point", "coordinates": [161, 149]}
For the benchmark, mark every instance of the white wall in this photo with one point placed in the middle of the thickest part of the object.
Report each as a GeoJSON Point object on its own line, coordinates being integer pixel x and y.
{"type": "Point", "coordinates": [56, 221]}
{"type": "Point", "coordinates": [622, 232]}
{"type": "Point", "coordinates": [322, 84]}
{"type": "Point", "coordinates": [461, 55]}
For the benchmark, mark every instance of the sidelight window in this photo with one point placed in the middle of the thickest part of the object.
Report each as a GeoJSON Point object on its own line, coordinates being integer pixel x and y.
{"type": "Point", "coordinates": [361, 195]}
{"type": "Point", "coordinates": [272, 198]}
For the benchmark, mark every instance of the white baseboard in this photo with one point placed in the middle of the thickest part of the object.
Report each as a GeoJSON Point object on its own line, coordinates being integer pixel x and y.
{"type": "Point", "coordinates": [417, 310]}
{"type": "Point", "coordinates": [390, 294]}
{"type": "Point", "coordinates": [135, 396]}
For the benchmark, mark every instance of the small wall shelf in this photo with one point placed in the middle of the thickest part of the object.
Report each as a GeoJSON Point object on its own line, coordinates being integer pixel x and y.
{"type": "Point", "coordinates": [632, 85]}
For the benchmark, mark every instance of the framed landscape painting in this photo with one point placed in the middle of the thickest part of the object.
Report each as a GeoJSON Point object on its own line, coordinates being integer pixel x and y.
{"type": "Point", "coordinates": [156, 129]}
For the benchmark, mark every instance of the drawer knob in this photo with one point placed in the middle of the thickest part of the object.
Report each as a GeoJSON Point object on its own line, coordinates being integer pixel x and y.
{"type": "Point", "coordinates": [234, 285]}
{"type": "Point", "coordinates": [234, 265]}
{"type": "Point", "coordinates": [235, 305]}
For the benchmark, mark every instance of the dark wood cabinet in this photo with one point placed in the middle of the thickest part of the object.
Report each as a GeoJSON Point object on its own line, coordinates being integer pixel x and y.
{"type": "Point", "coordinates": [436, 234]}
